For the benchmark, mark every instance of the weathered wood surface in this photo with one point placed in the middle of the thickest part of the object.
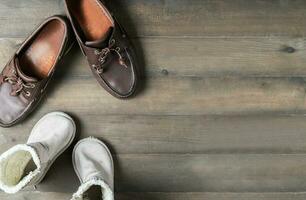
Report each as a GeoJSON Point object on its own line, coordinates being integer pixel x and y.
{"type": "Point", "coordinates": [205, 57]}
{"type": "Point", "coordinates": [192, 173]}
{"type": "Point", "coordinates": [222, 109]}
{"type": "Point", "coordinates": [166, 196]}
{"type": "Point", "coordinates": [182, 90]}
{"type": "Point", "coordinates": [181, 96]}
{"type": "Point", "coordinates": [182, 134]}
{"type": "Point", "coordinates": [174, 18]}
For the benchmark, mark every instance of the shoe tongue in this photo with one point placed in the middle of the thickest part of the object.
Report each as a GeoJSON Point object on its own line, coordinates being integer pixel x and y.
{"type": "Point", "coordinates": [103, 42]}
{"type": "Point", "coordinates": [21, 74]}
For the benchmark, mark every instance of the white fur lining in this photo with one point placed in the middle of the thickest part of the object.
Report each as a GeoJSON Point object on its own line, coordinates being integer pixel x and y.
{"type": "Point", "coordinates": [107, 192]}
{"type": "Point", "coordinates": [26, 179]}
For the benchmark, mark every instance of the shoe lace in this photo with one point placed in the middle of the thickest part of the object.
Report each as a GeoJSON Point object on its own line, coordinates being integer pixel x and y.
{"type": "Point", "coordinates": [104, 53]}
{"type": "Point", "coordinates": [18, 84]}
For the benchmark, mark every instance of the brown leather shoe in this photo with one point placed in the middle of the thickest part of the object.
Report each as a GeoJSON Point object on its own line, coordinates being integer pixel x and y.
{"type": "Point", "coordinates": [26, 76]}
{"type": "Point", "coordinates": [106, 46]}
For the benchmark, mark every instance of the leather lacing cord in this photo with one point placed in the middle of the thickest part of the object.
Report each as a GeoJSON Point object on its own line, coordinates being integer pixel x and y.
{"type": "Point", "coordinates": [105, 52]}
{"type": "Point", "coordinates": [17, 83]}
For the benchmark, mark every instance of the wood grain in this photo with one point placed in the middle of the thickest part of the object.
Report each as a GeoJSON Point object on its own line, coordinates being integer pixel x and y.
{"type": "Point", "coordinates": [221, 115]}
{"type": "Point", "coordinates": [192, 173]}
{"type": "Point", "coordinates": [194, 57]}
{"type": "Point", "coordinates": [211, 18]}
{"type": "Point", "coordinates": [211, 196]}
{"type": "Point", "coordinates": [168, 134]}
{"type": "Point", "coordinates": [182, 96]}
{"type": "Point", "coordinates": [174, 18]}
{"type": "Point", "coordinates": [166, 196]}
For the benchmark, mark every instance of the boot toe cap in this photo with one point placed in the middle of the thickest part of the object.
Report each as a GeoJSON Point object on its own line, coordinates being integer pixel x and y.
{"type": "Point", "coordinates": [92, 158]}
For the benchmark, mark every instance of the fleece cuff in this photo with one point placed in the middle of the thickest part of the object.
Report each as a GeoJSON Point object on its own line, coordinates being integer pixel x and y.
{"type": "Point", "coordinates": [107, 193]}
{"type": "Point", "coordinates": [28, 178]}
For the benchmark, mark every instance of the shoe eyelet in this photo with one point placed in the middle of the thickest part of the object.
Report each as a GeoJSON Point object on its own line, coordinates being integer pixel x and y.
{"type": "Point", "coordinates": [28, 93]}
{"type": "Point", "coordinates": [97, 52]}
{"type": "Point", "coordinates": [100, 71]}
{"type": "Point", "coordinates": [112, 42]}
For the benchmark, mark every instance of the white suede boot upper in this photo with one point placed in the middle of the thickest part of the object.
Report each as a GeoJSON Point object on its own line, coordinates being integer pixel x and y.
{"type": "Point", "coordinates": [93, 164]}
{"type": "Point", "coordinates": [51, 136]}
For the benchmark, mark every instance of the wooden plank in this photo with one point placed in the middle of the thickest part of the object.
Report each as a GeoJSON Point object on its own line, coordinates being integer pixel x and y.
{"type": "Point", "coordinates": [212, 196]}
{"type": "Point", "coordinates": [174, 18]}
{"type": "Point", "coordinates": [206, 57]}
{"type": "Point", "coordinates": [165, 196]}
{"type": "Point", "coordinates": [182, 96]}
{"type": "Point", "coordinates": [193, 173]}
{"type": "Point", "coordinates": [177, 96]}
{"type": "Point", "coordinates": [34, 196]}
{"type": "Point", "coordinates": [168, 134]}
{"type": "Point", "coordinates": [211, 18]}
{"type": "Point", "coordinates": [20, 18]}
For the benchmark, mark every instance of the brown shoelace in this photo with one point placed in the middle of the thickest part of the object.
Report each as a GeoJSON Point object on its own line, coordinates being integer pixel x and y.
{"type": "Point", "coordinates": [103, 54]}
{"type": "Point", "coordinates": [18, 84]}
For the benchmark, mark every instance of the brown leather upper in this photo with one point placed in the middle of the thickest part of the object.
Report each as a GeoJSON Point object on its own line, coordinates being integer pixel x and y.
{"type": "Point", "coordinates": [106, 46]}
{"type": "Point", "coordinates": [26, 76]}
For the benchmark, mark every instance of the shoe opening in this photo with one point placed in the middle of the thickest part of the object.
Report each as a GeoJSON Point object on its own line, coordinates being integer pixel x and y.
{"type": "Point", "coordinates": [94, 189]}
{"type": "Point", "coordinates": [18, 167]}
{"type": "Point", "coordinates": [15, 167]}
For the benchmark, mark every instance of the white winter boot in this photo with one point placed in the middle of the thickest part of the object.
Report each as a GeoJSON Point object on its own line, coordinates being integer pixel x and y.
{"type": "Point", "coordinates": [26, 164]}
{"type": "Point", "coordinates": [93, 163]}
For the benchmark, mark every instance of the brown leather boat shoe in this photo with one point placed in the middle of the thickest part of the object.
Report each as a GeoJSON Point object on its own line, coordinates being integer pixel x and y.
{"type": "Point", "coordinates": [26, 76]}
{"type": "Point", "coordinates": [106, 46]}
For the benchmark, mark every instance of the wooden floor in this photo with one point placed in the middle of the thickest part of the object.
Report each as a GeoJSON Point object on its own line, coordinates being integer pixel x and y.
{"type": "Point", "coordinates": [222, 112]}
